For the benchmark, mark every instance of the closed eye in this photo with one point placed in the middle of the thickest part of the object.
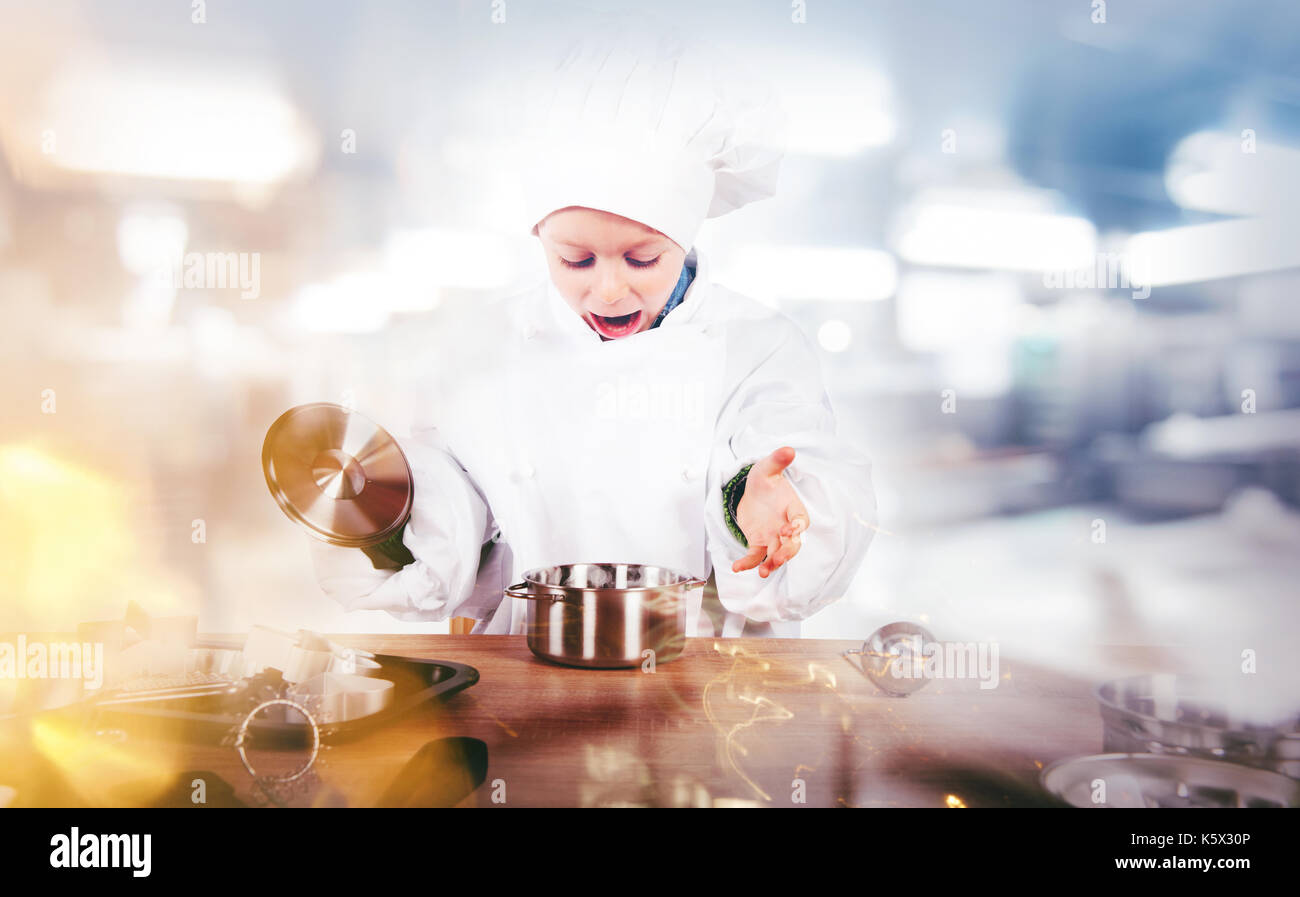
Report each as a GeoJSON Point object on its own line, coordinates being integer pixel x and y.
{"type": "Point", "coordinates": [590, 260]}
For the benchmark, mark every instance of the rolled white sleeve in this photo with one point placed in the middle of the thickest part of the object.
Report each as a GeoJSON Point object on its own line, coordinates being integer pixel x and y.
{"type": "Point", "coordinates": [449, 523]}
{"type": "Point", "coordinates": [782, 401]}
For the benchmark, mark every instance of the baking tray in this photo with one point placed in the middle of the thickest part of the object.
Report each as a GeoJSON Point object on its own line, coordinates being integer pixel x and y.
{"type": "Point", "coordinates": [416, 681]}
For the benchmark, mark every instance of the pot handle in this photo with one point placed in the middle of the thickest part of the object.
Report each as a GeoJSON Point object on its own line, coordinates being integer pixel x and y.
{"type": "Point", "coordinates": [520, 590]}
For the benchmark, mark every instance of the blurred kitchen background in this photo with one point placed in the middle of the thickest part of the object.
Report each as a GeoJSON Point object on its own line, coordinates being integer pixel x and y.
{"type": "Point", "coordinates": [1049, 250]}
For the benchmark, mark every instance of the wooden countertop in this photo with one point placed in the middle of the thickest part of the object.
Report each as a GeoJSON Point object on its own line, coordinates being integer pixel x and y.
{"type": "Point", "coordinates": [732, 721]}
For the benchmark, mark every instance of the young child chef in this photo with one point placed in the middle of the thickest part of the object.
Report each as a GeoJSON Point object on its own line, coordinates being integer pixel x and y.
{"type": "Point", "coordinates": [630, 409]}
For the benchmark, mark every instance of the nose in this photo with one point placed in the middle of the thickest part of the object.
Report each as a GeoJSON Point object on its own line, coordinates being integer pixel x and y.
{"type": "Point", "coordinates": [612, 288]}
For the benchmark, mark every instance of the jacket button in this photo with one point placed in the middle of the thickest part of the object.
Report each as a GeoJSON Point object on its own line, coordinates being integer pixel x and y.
{"type": "Point", "coordinates": [690, 473]}
{"type": "Point", "coordinates": [524, 472]}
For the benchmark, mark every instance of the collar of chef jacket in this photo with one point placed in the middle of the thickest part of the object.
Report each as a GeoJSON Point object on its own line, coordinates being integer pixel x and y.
{"type": "Point", "coordinates": [556, 315]}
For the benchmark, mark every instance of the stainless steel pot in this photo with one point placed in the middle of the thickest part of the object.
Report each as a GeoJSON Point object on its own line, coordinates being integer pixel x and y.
{"type": "Point", "coordinates": [605, 615]}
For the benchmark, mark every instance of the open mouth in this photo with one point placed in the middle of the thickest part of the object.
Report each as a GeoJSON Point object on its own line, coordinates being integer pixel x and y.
{"type": "Point", "coordinates": [616, 326]}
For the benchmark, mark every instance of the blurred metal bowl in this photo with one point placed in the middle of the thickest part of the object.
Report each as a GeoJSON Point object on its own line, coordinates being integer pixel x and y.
{"type": "Point", "coordinates": [892, 658]}
{"type": "Point", "coordinates": [341, 697]}
{"type": "Point", "coordinates": [1164, 780]}
{"type": "Point", "coordinates": [1168, 714]}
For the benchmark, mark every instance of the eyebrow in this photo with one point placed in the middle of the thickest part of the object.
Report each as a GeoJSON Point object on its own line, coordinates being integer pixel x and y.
{"type": "Point", "coordinates": [637, 245]}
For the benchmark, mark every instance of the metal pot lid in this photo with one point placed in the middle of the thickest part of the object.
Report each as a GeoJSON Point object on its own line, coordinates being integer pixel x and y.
{"type": "Point", "coordinates": [338, 474]}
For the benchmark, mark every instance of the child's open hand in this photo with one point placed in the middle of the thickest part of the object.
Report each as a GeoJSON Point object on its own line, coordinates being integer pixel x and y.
{"type": "Point", "coordinates": [770, 515]}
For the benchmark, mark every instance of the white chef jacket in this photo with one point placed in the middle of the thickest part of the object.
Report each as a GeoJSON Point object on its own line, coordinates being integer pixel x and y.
{"type": "Point", "coordinates": [559, 447]}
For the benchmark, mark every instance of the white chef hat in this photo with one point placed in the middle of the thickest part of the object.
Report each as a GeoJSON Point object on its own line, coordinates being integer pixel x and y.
{"type": "Point", "coordinates": [651, 127]}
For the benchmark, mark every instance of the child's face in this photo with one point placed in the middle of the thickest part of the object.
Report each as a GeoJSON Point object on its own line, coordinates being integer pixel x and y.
{"type": "Point", "coordinates": [614, 272]}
